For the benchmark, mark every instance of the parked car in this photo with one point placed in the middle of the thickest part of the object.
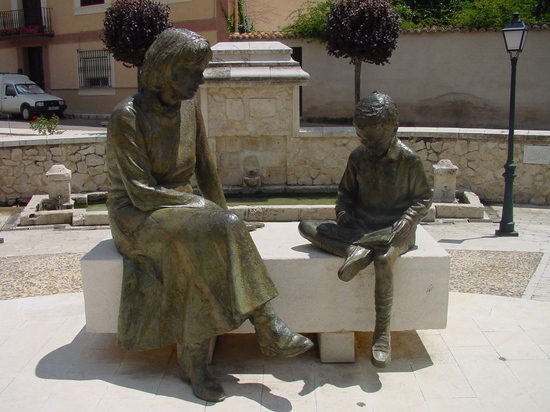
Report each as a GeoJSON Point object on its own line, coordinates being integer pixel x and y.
{"type": "Point", "coordinates": [20, 95]}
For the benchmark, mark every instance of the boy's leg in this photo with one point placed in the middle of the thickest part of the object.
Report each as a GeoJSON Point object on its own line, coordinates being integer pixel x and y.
{"type": "Point", "coordinates": [383, 300]}
{"type": "Point", "coordinates": [357, 257]}
{"type": "Point", "coordinates": [308, 230]}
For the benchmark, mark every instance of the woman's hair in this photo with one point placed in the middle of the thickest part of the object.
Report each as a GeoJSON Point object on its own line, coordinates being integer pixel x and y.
{"type": "Point", "coordinates": [376, 108]}
{"type": "Point", "coordinates": [172, 50]}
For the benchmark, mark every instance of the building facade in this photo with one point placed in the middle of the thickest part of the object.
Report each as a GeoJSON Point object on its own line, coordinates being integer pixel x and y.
{"type": "Point", "coordinates": [57, 44]}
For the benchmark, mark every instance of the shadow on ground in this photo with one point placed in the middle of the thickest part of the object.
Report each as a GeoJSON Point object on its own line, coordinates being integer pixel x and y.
{"type": "Point", "coordinates": [238, 363]}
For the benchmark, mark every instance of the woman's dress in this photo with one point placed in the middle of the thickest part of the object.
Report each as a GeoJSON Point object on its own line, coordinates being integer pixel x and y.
{"type": "Point", "coordinates": [191, 270]}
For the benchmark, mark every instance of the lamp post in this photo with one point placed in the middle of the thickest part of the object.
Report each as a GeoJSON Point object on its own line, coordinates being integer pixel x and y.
{"type": "Point", "coordinates": [515, 33]}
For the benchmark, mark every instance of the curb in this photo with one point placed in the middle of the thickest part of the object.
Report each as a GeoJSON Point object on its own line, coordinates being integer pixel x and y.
{"type": "Point", "coordinates": [88, 116]}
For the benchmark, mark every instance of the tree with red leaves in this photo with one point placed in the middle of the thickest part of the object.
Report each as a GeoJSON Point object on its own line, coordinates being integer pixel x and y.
{"type": "Point", "coordinates": [131, 26]}
{"type": "Point", "coordinates": [364, 31]}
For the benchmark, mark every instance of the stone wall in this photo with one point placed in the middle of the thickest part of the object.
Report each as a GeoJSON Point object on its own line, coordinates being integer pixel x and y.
{"type": "Point", "coordinates": [250, 121]}
{"type": "Point", "coordinates": [317, 156]}
{"type": "Point", "coordinates": [23, 168]}
{"type": "Point", "coordinates": [480, 159]}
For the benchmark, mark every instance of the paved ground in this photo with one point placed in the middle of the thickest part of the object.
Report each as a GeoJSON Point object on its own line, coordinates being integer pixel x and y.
{"type": "Point", "coordinates": [68, 123]}
{"type": "Point", "coordinates": [493, 356]}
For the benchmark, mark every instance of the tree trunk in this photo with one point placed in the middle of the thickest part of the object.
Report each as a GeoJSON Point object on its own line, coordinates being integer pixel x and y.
{"type": "Point", "coordinates": [357, 63]}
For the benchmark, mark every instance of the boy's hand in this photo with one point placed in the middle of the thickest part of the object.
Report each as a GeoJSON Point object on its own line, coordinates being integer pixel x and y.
{"type": "Point", "coordinates": [401, 229]}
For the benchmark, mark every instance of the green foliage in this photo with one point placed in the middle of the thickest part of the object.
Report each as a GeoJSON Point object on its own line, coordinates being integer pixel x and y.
{"type": "Point", "coordinates": [426, 13]}
{"type": "Point", "coordinates": [493, 14]}
{"type": "Point", "coordinates": [542, 10]}
{"type": "Point", "coordinates": [131, 26]}
{"type": "Point", "coordinates": [244, 21]}
{"type": "Point", "coordinates": [310, 20]}
{"type": "Point", "coordinates": [45, 125]}
{"type": "Point", "coordinates": [363, 30]}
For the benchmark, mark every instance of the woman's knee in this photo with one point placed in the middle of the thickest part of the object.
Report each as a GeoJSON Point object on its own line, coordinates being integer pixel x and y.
{"type": "Point", "coordinates": [228, 218]}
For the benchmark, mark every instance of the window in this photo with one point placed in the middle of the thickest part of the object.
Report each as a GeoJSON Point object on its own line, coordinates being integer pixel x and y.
{"type": "Point", "coordinates": [91, 6]}
{"type": "Point", "coordinates": [94, 69]}
{"type": "Point", "coordinates": [84, 3]}
{"type": "Point", "coordinates": [10, 90]}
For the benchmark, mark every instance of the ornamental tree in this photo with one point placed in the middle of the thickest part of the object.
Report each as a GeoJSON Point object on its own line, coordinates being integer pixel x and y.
{"type": "Point", "coordinates": [364, 31]}
{"type": "Point", "coordinates": [131, 26]}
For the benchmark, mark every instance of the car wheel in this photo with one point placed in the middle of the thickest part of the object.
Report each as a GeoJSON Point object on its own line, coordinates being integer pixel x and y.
{"type": "Point", "coordinates": [26, 112]}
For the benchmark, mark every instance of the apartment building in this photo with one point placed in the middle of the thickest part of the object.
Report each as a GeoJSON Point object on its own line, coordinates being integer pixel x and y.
{"type": "Point", "coordinates": [57, 44]}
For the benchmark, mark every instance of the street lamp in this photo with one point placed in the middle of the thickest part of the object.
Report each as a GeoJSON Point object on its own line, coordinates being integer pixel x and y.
{"type": "Point", "coordinates": [515, 33]}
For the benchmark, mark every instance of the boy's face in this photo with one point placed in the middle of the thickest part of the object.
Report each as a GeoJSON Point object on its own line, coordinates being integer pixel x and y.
{"type": "Point", "coordinates": [374, 136]}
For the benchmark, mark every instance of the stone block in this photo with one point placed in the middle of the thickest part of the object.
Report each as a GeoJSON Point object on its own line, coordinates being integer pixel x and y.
{"type": "Point", "coordinates": [337, 347]}
{"type": "Point", "coordinates": [59, 184]}
{"type": "Point", "coordinates": [469, 207]}
{"type": "Point", "coordinates": [311, 297]}
{"type": "Point", "coordinates": [102, 284]}
{"type": "Point", "coordinates": [444, 181]}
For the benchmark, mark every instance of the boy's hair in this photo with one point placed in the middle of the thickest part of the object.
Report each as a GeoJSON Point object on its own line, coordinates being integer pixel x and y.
{"type": "Point", "coordinates": [377, 108]}
{"type": "Point", "coordinates": [172, 49]}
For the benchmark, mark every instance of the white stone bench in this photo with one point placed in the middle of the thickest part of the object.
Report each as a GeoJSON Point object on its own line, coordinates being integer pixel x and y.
{"type": "Point", "coordinates": [311, 297]}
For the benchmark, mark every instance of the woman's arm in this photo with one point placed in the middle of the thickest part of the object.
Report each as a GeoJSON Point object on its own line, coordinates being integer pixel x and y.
{"type": "Point", "coordinates": [205, 169]}
{"type": "Point", "coordinates": [128, 151]}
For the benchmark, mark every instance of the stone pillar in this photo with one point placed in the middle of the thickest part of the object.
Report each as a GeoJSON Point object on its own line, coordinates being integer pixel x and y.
{"type": "Point", "coordinates": [250, 104]}
{"type": "Point", "coordinates": [444, 181]}
{"type": "Point", "coordinates": [59, 187]}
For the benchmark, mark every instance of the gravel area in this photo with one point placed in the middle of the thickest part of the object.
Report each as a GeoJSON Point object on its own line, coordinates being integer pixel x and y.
{"type": "Point", "coordinates": [492, 273]}
{"type": "Point", "coordinates": [37, 275]}
{"type": "Point", "coordinates": [485, 272]}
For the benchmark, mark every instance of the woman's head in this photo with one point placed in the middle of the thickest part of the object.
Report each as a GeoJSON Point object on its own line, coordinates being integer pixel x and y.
{"type": "Point", "coordinates": [173, 50]}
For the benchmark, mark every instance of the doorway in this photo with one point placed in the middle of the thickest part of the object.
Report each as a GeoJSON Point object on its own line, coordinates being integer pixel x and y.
{"type": "Point", "coordinates": [32, 11]}
{"type": "Point", "coordinates": [34, 65]}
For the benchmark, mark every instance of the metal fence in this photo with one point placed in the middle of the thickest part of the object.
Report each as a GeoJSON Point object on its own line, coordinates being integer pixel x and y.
{"type": "Point", "coordinates": [27, 21]}
{"type": "Point", "coordinates": [94, 69]}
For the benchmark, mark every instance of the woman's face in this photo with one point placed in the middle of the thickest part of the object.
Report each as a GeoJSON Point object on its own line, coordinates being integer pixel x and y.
{"type": "Point", "coordinates": [187, 80]}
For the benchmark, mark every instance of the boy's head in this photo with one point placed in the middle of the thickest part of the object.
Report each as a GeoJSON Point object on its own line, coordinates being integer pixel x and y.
{"type": "Point", "coordinates": [376, 123]}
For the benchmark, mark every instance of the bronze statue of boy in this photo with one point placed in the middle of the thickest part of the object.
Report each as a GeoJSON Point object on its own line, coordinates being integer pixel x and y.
{"type": "Point", "coordinates": [382, 197]}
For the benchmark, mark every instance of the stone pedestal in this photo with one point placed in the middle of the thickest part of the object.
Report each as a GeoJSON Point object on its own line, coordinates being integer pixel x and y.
{"type": "Point", "coordinates": [311, 297]}
{"type": "Point", "coordinates": [59, 187]}
{"type": "Point", "coordinates": [250, 105]}
{"type": "Point", "coordinates": [444, 181]}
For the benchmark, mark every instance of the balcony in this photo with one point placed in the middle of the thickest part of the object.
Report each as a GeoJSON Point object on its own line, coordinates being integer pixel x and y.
{"type": "Point", "coordinates": [20, 24]}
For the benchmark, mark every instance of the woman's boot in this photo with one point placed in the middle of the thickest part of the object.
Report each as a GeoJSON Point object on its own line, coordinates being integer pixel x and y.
{"type": "Point", "coordinates": [194, 367]}
{"type": "Point", "coordinates": [274, 336]}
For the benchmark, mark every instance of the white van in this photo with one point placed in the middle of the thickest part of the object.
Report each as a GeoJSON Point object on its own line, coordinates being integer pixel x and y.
{"type": "Point", "coordinates": [20, 95]}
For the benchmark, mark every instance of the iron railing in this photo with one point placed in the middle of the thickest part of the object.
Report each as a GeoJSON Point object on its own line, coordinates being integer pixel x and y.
{"type": "Point", "coordinates": [94, 69]}
{"type": "Point", "coordinates": [26, 22]}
